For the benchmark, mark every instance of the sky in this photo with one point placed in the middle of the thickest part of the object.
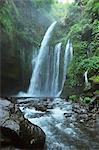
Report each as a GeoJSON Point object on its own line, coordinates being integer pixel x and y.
{"type": "Point", "coordinates": [65, 1]}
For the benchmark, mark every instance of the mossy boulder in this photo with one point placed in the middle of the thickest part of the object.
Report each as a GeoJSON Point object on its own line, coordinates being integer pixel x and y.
{"type": "Point", "coordinates": [16, 131]}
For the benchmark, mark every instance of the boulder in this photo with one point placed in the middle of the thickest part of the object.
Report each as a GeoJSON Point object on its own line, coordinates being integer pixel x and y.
{"type": "Point", "coordinates": [16, 131]}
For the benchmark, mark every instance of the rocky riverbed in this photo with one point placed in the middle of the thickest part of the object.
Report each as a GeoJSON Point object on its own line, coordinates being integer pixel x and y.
{"type": "Point", "coordinates": [83, 114]}
{"type": "Point", "coordinates": [68, 126]}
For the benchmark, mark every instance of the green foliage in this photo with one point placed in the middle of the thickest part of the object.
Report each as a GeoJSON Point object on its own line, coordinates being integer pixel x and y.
{"type": "Point", "coordinates": [79, 22]}
{"type": "Point", "coordinates": [73, 98]}
{"type": "Point", "coordinates": [92, 8]}
{"type": "Point", "coordinates": [83, 30]}
{"type": "Point", "coordinates": [74, 12]}
{"type": "Point", "coordinates": [94, 45]}
{"type": "Point", "coordinates": [95, 26]}
{"type": "Point", "coordinates": [87, 100]}
{"type": "Point", "coordinates": [58, 10]}
{"type": "Point", "coordinates": [6, 19]}
{"type": "Point", "coordinates": [15, 8]}
{"type": "Point", "coordinates": [87, 32]}
{"type": "Point", "coordinates": [96, 92]}
{"type": "Point", "coordinates": [21, 34]}
{"type": "Point", "coordinates": [90, 64]}
{"type": "Point", "coordinates": [79, 66]}
{"type": "Point", "coordinates": [95, 79]}
{"type": "Point", "coordinates": [75, 32]}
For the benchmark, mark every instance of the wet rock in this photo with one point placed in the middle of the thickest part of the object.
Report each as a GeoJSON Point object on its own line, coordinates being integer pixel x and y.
{"type": "Point", "coordinates": [94, 103]}
{"type": "Point", "coordinates": [35, 115]}
{"type": "Point", "coordinates": [9, 137]}
{"type": "Point", "coordinates": [77, 111]}
{"type": "Point", "coordinates": [41, 107]}
{"type": "Point", "coordinates": [16, 131]}
{"type": "Point", "coordinates": [68, 114]}
{"type": "Point", "coordinates": [84, 111]}
{"type": "Point", "coordinates": [49, 106]}
{"type": "Point", "coordinates": [83, 114]}
{"type": "Point", "coordinates": [33, 135]}
{"type": "Point", "coordinates": [81, 121]}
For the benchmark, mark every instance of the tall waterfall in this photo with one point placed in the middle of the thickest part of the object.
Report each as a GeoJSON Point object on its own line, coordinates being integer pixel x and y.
{"type": "Point", "coordinates": [34, 88]}
{"type": "Point", "coordinates": [55, 80]}
{"type": "Point", "coordinates": [67, 59]}
{"type": "Point", "coordinates": [49, 68]}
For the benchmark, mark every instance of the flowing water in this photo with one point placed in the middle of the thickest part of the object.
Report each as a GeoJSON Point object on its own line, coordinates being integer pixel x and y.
{"type": "Point", "coordinates": [67, 58]}
{"type": "Point", "coordinates": [34, 88]}
{"type": "Point", "coordinates": [55, 79]}
{"type": "Point", "coordinates": [62, 133]}
{"type": "Point", "coordinates": [86, 78]}
{"type": "Point", "coordinates": [47, 80]}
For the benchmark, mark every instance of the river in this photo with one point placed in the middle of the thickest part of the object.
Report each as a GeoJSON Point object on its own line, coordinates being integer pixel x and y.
{"type": "Point", "coordinates": [62, 133]}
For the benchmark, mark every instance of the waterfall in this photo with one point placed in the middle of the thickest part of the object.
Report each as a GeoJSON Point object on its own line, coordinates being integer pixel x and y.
{"type": "Point", "coordinates": [55, 81]}
{"type": "Point", "coordinates": [35, 82]}
{"type": "Point", "coordinates": [71, 51]}
{"type": "Point", "coordinates": [67, 59]}
{"type": "Point", "coordinates": [86, 78]}
{"type": "Point", "coordinates": [49, 70]}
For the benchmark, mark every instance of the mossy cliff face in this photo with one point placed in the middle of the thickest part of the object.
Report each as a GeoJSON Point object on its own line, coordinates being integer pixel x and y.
{"type": "Point", "coordinates": [22, 26]}
{"type": "Point", "coordinates": [81, 26]}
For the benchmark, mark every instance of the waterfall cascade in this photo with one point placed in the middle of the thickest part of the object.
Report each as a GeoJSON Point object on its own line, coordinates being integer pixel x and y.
{"type": "Point", "coordinates": [67, 58]}
{"type": "Point", "coordinates": [37, 77]}
{"type": "Point", "coordinates": [87, 83]}
{"type": "Point", "coordinates": [68, 55]}
{"type": "Point", "coordinates": [86, 78]}
{"type": "Point", "coordinates": [48, 76]}
{"type": "Point", "coordinates": [56, 65]}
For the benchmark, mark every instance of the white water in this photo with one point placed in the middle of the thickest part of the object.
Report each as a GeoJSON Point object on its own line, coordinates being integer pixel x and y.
{"type": "Point", "coordinates": [52, 124]}
{"type": "Point", "coordinates": [55, 81]}
{"type": "Point", "coordinates": [62, 133]}
{"type": "Point", "coordinates": [71, 52]}
{"type": "Point", "coordinates": [67, 59]}
{"type": "Point", "coordinates": [86, 78]}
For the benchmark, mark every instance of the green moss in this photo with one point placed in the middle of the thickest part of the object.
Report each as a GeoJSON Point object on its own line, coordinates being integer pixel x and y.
{"type": "Point", "coordinates": [91, 64]}
{"type": "Point", "coordinates": [87, 100]}
{"type": "Point", "coordinates": [96, 92]}
{"type": "Point", "coordinates": [6, 19]}
{"type": "Point", "coordinates": [73, 98]}
{"type": "Point", "coordinates": [95, 79]}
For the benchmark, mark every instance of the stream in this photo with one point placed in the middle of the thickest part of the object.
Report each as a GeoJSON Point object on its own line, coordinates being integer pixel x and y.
{"type": "Point", "coordinates": [62, 133]}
